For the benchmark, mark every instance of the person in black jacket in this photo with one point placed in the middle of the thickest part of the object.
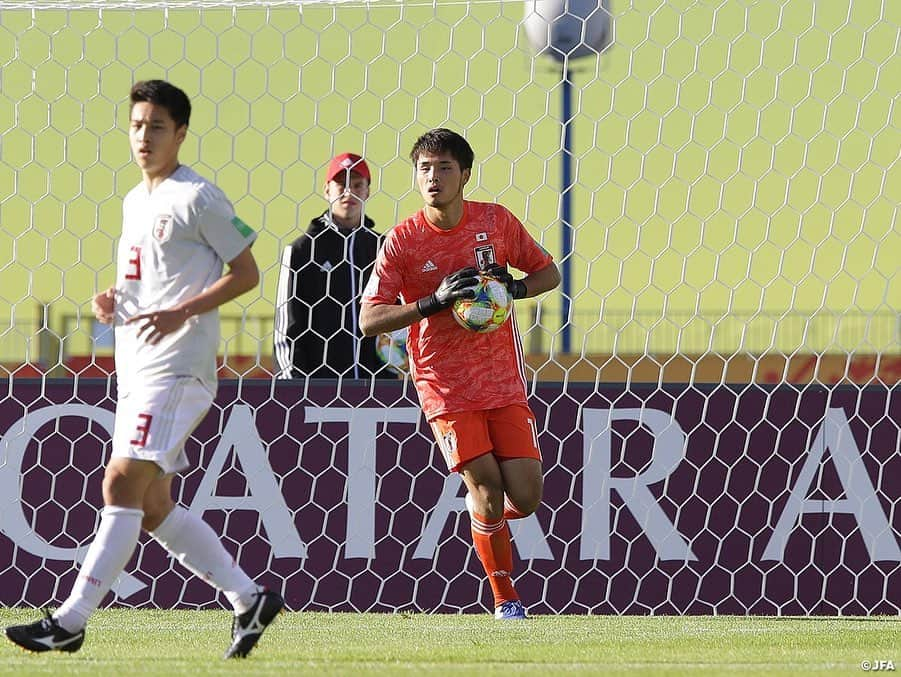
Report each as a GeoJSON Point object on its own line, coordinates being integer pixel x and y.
{"type": "Point", "coordinates": [322, 275]}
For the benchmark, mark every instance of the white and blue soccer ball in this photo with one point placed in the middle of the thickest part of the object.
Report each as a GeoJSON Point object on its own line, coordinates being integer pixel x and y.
{"type": "Point", "coordinates": [488, 310]}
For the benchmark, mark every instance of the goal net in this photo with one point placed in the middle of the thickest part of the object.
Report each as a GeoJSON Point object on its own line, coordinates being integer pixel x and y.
{"type": "Point", "coordinates": [716, 385]}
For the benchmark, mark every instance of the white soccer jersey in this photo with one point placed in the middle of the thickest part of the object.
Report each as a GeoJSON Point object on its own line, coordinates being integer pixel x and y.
{"type": "Point", "coordinates": [174, 243]}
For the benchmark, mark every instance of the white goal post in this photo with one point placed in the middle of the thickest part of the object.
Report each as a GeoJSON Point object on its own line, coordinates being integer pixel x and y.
{"type": "Point", "coordinates": [721, 425]}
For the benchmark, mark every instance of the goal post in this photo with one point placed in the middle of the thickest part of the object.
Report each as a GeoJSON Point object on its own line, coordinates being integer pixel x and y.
{"type": "Point", "coordinates": [728, 410]}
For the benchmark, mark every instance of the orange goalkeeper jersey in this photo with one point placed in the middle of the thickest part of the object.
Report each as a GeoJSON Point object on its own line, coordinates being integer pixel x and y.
{"type": "Point", "coordinates": [452, 368]}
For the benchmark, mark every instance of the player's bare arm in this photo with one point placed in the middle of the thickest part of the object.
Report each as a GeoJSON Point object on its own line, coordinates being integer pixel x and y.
{"type": "Point", "coordinates": [103, 306]}
{"type": "Point", "coordinates": [532, 285]}
{"type": "Point", "coordinates": [379, 318]}
{"type": "Point", "coordinates": [541, 280]}
{"type": "Point", "coordinates": [242, 276]}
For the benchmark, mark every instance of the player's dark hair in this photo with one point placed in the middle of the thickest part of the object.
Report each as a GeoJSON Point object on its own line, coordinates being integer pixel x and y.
{"type": "Point", "coordinates": [441, 140]}
{"type": "Point", "coordinates": [167, 95]}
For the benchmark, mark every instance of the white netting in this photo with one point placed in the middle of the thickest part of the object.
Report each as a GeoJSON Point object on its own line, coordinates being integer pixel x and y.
{"type": "Point", "coordinates": [734, 256]}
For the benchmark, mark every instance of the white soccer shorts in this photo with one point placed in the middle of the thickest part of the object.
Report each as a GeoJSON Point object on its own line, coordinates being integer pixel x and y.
{"type": "Point", "coordinates": [154, 422]}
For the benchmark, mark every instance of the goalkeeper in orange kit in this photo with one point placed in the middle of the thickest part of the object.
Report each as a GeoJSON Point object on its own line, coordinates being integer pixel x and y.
{"type": "Point", "coordinates": [472, 386]}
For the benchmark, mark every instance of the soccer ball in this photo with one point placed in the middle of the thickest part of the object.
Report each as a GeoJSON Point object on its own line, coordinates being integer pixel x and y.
{"type": "Point", "coordinates": [392, 350]}
{"type": "Point", "coordinates": [488, 310]}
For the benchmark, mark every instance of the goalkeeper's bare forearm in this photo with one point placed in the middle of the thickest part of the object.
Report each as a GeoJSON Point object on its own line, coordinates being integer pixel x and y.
{"type": "Point", "coordinates": [381, 318]}
{"type": "Point", "coordinates": [541, 280]}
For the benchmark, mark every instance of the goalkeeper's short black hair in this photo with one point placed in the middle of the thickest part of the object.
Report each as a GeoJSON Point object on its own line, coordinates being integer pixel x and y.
{"type": "Point", "coordinates": [163, 94]}
{"type": "Point", "coordinates": [443, 140]}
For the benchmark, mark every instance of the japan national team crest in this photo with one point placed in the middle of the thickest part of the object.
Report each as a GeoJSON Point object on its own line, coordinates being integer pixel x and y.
{"type": "Point", "coordinates": [485, 256]}
{"type": "Point", "coordinates": [162, 228]}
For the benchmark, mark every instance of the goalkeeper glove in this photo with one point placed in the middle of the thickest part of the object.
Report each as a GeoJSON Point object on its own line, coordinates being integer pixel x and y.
{"type": "Point", "coordinates": [516, 288]}
{"type": "Point", "coordinates": [455, 286]}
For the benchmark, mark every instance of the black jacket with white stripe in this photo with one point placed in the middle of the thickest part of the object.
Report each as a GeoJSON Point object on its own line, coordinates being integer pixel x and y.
{"type": "Point", "coordinates": [317, 311]}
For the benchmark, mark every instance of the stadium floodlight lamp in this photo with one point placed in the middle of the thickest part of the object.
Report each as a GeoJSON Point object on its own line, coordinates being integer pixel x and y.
{"type": "Point", "coordinates": [566, 30]}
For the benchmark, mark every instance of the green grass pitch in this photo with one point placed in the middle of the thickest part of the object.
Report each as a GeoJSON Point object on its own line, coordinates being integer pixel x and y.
{"type": "Point", "coordinates": [151, 642]}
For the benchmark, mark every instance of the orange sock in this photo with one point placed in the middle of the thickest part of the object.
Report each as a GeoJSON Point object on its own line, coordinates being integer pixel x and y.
{"type": "Point", "coordinates": [492, 544]}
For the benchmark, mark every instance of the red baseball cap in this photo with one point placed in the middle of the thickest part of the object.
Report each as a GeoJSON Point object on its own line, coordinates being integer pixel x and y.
{"type": "Point", "coordinates": [341, 163]}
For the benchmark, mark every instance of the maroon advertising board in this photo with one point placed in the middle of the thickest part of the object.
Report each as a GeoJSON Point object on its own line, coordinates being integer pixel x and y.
{"type": "Point", "coordinates": [658, 499]}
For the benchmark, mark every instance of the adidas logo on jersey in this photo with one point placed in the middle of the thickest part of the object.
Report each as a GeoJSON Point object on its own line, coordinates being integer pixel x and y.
{"type": "Point", "coordinates": [429, 267]}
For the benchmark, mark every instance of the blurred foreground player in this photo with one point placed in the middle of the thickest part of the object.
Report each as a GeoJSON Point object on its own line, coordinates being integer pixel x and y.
{"type": "Point", "coordinates": [178, 230]}
{"type": "Point", "coordinates": [472, 386]}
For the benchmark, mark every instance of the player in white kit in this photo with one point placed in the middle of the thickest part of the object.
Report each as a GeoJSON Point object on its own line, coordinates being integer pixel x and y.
{"type": "Point", "coordinates": [178, 230]}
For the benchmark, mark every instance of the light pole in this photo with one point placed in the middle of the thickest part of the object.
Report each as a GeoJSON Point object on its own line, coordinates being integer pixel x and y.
{"type": "Point", "coordinates": [567, 30]}
{"type": "Point", "coordinates": [566, 227]}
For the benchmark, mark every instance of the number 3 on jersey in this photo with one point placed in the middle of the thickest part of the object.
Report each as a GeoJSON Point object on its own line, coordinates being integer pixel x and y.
{"type": "Point", "coordinates": [133, 267]}
{"type": "Point", "coordinates": [142, 430]}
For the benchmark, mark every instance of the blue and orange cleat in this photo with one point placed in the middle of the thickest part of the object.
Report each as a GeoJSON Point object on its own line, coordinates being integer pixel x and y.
{"type": "Point", "coordinates": [511, 611]}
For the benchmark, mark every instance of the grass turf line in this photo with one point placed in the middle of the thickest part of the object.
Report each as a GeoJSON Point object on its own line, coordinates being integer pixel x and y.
{"type": "Point", "coordinates": [166, 643]}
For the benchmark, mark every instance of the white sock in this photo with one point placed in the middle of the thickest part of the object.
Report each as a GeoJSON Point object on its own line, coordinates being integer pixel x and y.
{"type": "Point", "coordinates": [194, 543]}
{"type": "Point", "coordinates": [108, 554]}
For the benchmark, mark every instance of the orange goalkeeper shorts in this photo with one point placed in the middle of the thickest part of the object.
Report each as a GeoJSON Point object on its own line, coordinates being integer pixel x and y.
{"type": "Point", "coordinates": [508, 432]}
